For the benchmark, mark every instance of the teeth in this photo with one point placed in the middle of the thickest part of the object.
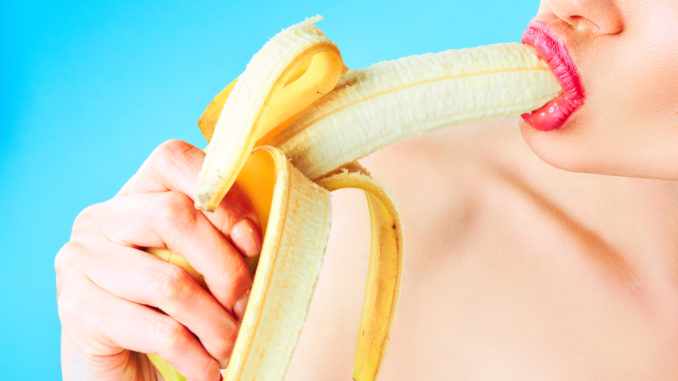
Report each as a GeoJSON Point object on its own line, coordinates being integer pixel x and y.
{"type": "Point", "coordinates": [294, 104]}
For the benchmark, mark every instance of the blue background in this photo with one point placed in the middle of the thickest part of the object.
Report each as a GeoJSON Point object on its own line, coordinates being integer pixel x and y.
{"type": "Point", "coordinates": [88, 89]}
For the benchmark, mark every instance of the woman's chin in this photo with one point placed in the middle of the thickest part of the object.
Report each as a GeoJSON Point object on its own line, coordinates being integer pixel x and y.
{"type": "Point", "coordinates": [555, 148]}
{"type": "Point", "coordinates": [573, 148]}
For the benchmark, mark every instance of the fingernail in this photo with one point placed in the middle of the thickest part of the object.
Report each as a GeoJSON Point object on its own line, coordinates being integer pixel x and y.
{"type": "Point", "coordinates": [245, 235]}
{"type": "Point", "coordinates": [240, 306]}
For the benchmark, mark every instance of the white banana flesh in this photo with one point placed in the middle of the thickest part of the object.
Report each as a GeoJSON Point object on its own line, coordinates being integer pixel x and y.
{"type": "Point", "coordinates": [390, 101]}
{"type": "Point", "coordinates": [244, 118]}
{"type": "Point", "coordinates": [293, 96]}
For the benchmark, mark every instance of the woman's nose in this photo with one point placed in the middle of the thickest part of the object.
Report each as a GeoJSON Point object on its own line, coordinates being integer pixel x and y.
{"type": "Point", "coordinates": [598, 16]}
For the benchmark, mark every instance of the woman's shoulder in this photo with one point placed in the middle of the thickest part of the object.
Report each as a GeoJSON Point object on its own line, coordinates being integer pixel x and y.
{"type": "Point", "coordinates": [455, 160]}
{"type": "Point", "coordinates": [480, 182]}
{"type": "Point", "coordinates": [482, 215]}
{"type": "Point", "coordinates": [455, 173]}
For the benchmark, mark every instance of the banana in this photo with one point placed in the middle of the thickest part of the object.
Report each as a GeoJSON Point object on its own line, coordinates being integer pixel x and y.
{"type": "Point", "coordinates": [288, 131]}
{"type": "Point", "coordinates": [391, 101]}
{"type": "Point", "coordinates": [260, 100]}
{"type": "Point", "coordinates": [287, 270]}
{"type": "Point", "coordinates": [383, 273]}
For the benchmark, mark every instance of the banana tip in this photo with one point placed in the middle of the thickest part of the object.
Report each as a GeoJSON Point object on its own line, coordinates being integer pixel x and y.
{"type": "Point", "coordinates": [203, 202]}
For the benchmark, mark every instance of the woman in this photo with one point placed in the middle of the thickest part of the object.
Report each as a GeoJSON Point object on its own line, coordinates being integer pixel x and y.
{"type": "Point", "coordinates": [515, 267]}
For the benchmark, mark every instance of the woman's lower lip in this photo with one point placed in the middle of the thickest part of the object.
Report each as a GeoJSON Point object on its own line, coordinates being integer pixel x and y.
{"type": "Point", "coordinates": [556, 112]}
{"type": "Point", "coordinates": [553, 114]}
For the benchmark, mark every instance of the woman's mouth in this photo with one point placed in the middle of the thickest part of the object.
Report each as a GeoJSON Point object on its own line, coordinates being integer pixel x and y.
{"type": "Point", "coordinates": [552, 50]}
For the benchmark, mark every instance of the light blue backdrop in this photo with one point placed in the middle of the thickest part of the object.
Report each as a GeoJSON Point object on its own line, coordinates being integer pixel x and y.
{"type": "Point", "coordinates": [88, 89]}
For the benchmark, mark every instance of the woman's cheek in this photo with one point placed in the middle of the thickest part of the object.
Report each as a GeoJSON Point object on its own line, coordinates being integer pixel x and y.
{"type": "Point", "coordinates": [652, 54]}
{"type": "Point", "coordinates": [653, 71]}
{"type": "Point", "coordinates": [628, 125]}
{"type": "Point", "coordinates": [629, 120]}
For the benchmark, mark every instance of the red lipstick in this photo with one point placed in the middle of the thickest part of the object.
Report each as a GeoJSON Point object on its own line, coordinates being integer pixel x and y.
{"type": "Point", "coordinates": [552, 50]}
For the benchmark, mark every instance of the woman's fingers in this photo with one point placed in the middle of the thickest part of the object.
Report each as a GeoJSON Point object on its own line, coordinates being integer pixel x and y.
{"type": "Point", "coordinates": [139, 277]}
{"type": "Point", "coordinates": [246, 235]}
{"type": "Point", "coordinates": [102, 325]}
{"type": "Point", "coordinates": [174, 166]}
{"type": "Point", "coordinates": [167, 219]}
{"type": "Point", "coordinates": [107, 287]}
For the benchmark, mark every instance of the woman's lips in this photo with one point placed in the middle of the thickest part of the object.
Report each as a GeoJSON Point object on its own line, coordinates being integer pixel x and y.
{"type": "Point", "coordinates": [552, 50]}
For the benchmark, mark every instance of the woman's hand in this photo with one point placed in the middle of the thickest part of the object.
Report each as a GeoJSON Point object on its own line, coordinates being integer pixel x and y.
{"type": "Point", "coordinates": [117, 302]}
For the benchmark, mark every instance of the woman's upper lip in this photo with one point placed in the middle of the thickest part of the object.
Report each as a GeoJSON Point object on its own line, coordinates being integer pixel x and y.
{"type": "Point", "coordinates": [553, 50]}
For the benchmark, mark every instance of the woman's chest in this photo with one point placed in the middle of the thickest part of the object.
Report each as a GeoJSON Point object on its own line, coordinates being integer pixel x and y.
{"type": "Point", "coordinates": [498, 280]}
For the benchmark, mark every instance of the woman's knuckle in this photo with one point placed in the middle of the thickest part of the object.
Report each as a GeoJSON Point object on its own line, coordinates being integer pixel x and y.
{"type": "Point", "coordinates": [175, 208]}
{"type": "Point", "coordinates": [171, 333]}
{"type": "Point", "coordinates": [173, 285]}
{"type": "Point", "coordinates": [171, 151]}
{"type": "Point", "coordinates": [68, 306]}
{"type": "Point", "coordinates": [241, 274]}
{"type": "Point", "coordinates": [68, 309]}
{"type": "Point", "coordinates": [224, 347]}
{"type": "Point", "coordinates": [235, 204]}
{"type": "Point", "coordinates": [85, 219]}
{"type": "Point", "coordinates": [237, 280]}
{"type": "Point", "coordinates": [62, 259]}
{"type": "Point", "coordinates": [66, 260]}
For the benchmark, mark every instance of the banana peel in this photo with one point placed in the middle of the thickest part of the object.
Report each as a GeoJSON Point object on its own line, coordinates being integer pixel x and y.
{"type": "Point", "coordinates": [288, 131]}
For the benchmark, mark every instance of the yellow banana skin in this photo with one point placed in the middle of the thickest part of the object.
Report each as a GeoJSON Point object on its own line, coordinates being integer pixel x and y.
{"type": "Point", "coordinates": [287, 253]}
{"type": "Point", "coordinates": [383, 274]}
{"type": "Point", "coordinates": [293, 96]}
{"type": "Point", "coordinates": [211, 115]}
{"type": "Point", "coordinates": [257, 106]}
{"type": "Point", "coordinates": [294, 244]}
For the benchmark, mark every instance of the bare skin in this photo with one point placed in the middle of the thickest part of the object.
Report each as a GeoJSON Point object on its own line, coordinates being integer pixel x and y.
{"type": "Point", "coordinates": [117, 302]}
{"type": "Point", "coordinates": [518, 265]}
{"type": "Point", "coordinates": [513, 269]}
{"type": "Point", "coordinates": [517, 269]}
{"type": "Point", "coordinates": [625, 52]}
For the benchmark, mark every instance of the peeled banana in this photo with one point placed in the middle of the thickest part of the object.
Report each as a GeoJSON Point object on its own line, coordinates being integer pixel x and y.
{"type": "Point", "coordinates": [289, 130]}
